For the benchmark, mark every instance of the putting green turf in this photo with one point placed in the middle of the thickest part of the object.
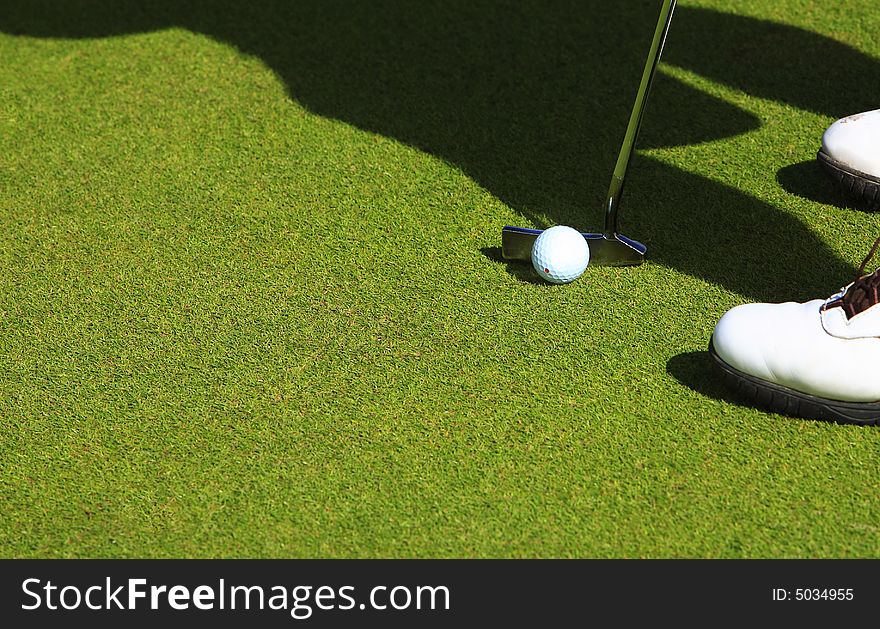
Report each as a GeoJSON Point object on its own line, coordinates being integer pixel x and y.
{"type": "Point", "coordinates": [251, 299]}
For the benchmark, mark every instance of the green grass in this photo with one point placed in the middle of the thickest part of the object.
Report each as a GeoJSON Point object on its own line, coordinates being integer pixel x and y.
{"type": "Point", "coordinates": [251, 302]}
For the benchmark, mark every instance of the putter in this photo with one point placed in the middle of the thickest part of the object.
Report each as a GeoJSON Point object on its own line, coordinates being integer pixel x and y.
{"type": "Point", "coordinates": [608, 248]}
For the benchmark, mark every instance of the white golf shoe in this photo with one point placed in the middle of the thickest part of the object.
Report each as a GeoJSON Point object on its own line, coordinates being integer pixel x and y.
{"type": "Point", "coordinates": [819, 359]}
{"type": "Point", "coordinates": [850, 154]}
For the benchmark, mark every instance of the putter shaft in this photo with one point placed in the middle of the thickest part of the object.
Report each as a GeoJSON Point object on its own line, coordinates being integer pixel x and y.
{"type": "Point", "coordinates": [615, 190]}
{"type": "Point", "coordinates": [608, 248]}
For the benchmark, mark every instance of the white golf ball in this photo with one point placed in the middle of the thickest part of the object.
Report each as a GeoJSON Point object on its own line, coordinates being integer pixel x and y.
{"type": "Point", "coordinates": [560, 254]}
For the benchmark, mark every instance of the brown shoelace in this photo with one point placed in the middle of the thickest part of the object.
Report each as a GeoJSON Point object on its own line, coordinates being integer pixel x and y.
{"type": "Point", "coordinates": [865, 290]}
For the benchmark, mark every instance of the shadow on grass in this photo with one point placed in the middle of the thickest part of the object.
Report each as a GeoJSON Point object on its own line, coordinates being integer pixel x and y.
{"type": "Point", "coordinates": [522, 272]}
{"type": "Point", "coordinates": [695, 371]}
{"type": "Point", "coordinates": [531, 99]}
{"type": "Point", "coordinates": [730, 238]}
{"type": "Point", "coordinates": [806, 180]}
{"type": "Point", "coordinates": [775, 61]}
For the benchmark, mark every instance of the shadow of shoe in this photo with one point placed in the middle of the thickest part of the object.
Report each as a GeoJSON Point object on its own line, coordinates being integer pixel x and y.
{"type": "Point", "coordinates": [807, 181]}
{"type": "Point", "coordinates": [694, 370]}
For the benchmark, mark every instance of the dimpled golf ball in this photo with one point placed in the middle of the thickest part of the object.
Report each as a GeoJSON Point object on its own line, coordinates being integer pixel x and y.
{"type": "Point", "coordinates": [560, 254]}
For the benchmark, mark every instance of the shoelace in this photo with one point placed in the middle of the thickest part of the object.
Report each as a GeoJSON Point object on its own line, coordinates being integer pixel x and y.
{"type": "Point", "coordinates": [865, 289]}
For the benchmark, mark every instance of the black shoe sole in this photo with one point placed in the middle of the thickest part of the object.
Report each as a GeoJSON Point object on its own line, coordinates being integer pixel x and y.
{"type": "Point", "coordinates": [857, 184]}
{"type": "Point", "coordinates": [785, 401]}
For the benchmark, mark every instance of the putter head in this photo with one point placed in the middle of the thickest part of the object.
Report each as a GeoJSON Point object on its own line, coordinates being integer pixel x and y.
{"type": "Point", "coordinates": [605, 250]}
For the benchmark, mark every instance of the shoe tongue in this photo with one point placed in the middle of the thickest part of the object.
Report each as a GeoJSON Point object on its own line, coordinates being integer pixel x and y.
{"type": "Point", "coordinates": [853, 312]}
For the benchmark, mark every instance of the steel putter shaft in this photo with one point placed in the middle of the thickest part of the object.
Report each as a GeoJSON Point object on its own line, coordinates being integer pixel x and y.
{"type": "Point", "coordinates": [608, 248]}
